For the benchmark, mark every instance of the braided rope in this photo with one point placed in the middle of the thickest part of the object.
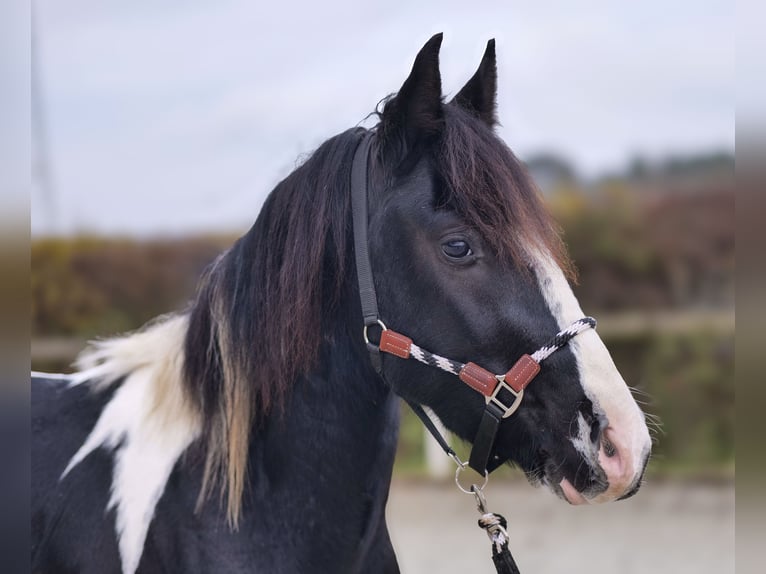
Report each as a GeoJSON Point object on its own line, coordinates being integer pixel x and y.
{"type": "Point", "coordinates": [554, 344]}
{"type": "Point", "coordinates": [495, 526]}
{"type": "Point", "coordinates": [563, 337]}
{"type": "Point", "coordinates": [434, 360]}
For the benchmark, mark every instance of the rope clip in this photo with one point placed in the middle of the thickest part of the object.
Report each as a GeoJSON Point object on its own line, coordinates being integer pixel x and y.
{"type": "Point", "coordinates": [481, 500]}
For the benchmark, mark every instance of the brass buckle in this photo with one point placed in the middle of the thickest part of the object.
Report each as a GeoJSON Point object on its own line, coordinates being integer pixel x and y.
{"type": "Point", "coordinates": [493, 398]}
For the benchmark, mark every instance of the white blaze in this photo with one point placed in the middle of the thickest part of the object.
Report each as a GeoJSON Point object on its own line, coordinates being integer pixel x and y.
{"type": "Point", "coordinates": [601, 381]}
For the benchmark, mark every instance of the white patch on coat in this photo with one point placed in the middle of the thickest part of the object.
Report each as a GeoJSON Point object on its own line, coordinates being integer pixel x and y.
{"type": "Point", "coordinates": [148, 423]}
{"type": "Point", "coordinates": [582, 442]}
{"type": "Point", "coordinates": [601, 381]}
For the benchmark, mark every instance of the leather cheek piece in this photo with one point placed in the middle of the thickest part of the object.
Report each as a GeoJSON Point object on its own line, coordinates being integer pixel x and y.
{"type": "Point", "coordinates": [522, 373]}
{"type": "Point", "coordinates": [478, 378]}
{"type": "Point", "coordinates": [395, 344]}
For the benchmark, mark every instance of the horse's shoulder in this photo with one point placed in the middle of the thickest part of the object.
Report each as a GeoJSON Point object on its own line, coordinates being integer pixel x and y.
{"type": "Point", "coordinates": [63, 414]}
{"type": "Point", "coordinates": [70, 530]}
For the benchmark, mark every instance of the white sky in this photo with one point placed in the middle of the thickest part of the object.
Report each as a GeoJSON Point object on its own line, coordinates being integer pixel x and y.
{"type": "Point", "coordinates": [180, 116]}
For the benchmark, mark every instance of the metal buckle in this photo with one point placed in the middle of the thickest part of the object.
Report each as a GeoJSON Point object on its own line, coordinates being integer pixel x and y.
{"type": "Point", "coordinates": [493, 398]}
{"type": "Point", "coordinates": [364, 333]}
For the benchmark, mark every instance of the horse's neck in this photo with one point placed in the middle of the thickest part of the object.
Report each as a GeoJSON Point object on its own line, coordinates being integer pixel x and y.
{"type": "Point", "coordinates": [340, 422]}
{"type": "Point", "coordinates": [325, 460]}
{"type": "Point", "coordinates": [325, 465]}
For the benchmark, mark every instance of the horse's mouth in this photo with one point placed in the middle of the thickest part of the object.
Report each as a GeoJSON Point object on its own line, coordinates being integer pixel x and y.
{"type": "Point", "coordinates": [551, 475]}
{"type": "Point", "coordinates": [568, 492]}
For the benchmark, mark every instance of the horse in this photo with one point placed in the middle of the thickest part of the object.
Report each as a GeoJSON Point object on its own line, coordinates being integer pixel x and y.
{"type": "Point", "coordinates": [254, 431]}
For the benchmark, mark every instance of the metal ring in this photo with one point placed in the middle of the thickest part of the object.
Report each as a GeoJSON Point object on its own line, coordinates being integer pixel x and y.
{"type": "Point", "coordinates": [473, 487]}
{"type": "Point", "coordinates": [379, 323]}
{"type": "Point", "coordinates": [457, 460]}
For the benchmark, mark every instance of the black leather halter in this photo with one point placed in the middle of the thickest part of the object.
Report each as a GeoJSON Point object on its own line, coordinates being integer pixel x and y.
{"type": "Point", "coordinates": [503, 393]}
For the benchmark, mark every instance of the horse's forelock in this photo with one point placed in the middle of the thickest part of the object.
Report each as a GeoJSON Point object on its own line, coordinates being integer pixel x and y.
{"type": "Point", "coordinates": [493, 193]}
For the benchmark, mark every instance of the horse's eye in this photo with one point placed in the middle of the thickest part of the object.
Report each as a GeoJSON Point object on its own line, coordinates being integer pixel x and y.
{"type": "Point", "coordinates": [456, 249]}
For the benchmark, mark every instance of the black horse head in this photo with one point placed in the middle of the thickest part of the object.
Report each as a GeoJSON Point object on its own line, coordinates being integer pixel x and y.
{"type": "Point", "coordinates": [468, 264]}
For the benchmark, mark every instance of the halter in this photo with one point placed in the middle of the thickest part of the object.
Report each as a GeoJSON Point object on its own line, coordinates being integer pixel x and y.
{"type": "Point", "coordinates": [503, 393]}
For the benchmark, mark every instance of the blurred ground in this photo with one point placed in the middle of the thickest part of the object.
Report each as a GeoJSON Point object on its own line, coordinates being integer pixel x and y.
{"type": "Point", "coordinates": [669, 527]}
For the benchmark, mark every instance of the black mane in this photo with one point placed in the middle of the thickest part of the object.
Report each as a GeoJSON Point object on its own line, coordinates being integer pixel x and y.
{"type": "Point", "coordinates": [259, 313]}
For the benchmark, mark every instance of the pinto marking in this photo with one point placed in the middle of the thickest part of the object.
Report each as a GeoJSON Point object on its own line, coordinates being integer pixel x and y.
{"type": "Point", "coordinates": [583, 444]}
{"type": "Point", "coordinates": [148, 424]}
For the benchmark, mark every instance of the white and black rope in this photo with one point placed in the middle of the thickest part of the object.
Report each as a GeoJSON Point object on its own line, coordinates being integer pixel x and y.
{"type": "Point", "coordinates": [434, 360]}
{"type": "Point", "coordinates": [495, 525]}
{"type": "Point", "coordinates": [563, 337]}
{"type": "Point", "coordinates": [558, 341]}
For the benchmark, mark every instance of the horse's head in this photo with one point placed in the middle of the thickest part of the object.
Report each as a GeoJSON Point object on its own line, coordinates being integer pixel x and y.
{"type": "Point", "coordinates": [467, 264]}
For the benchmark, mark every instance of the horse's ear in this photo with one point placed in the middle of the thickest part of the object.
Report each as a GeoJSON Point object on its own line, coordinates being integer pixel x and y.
{"type": "Point", "coordinates": [479, 95]}
{"type": "Point", "coordinates": [416, 110]}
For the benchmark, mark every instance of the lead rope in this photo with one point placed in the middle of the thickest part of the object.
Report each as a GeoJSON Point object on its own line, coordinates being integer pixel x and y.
{"type": "Point", "coordinates": [495, 525]}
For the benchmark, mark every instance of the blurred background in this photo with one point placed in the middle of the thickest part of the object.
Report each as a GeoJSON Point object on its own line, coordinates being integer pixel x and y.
{"type": "Point", "coordinates": [159, 129]}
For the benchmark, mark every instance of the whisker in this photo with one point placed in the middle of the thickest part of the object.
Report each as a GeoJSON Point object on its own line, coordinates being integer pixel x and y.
{"type": "Point", "coordinates": [639, 391]}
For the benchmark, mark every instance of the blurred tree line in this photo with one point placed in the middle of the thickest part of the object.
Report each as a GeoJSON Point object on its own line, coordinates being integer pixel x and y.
{"type": "Point", "coordinates": [631, 252]}
{"type": "Point", "coordinates": [89, 286]}
{"type": "Point", "coordinates": [653, 239]}
{"type": "Point", "coordinates": [650, 251]}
